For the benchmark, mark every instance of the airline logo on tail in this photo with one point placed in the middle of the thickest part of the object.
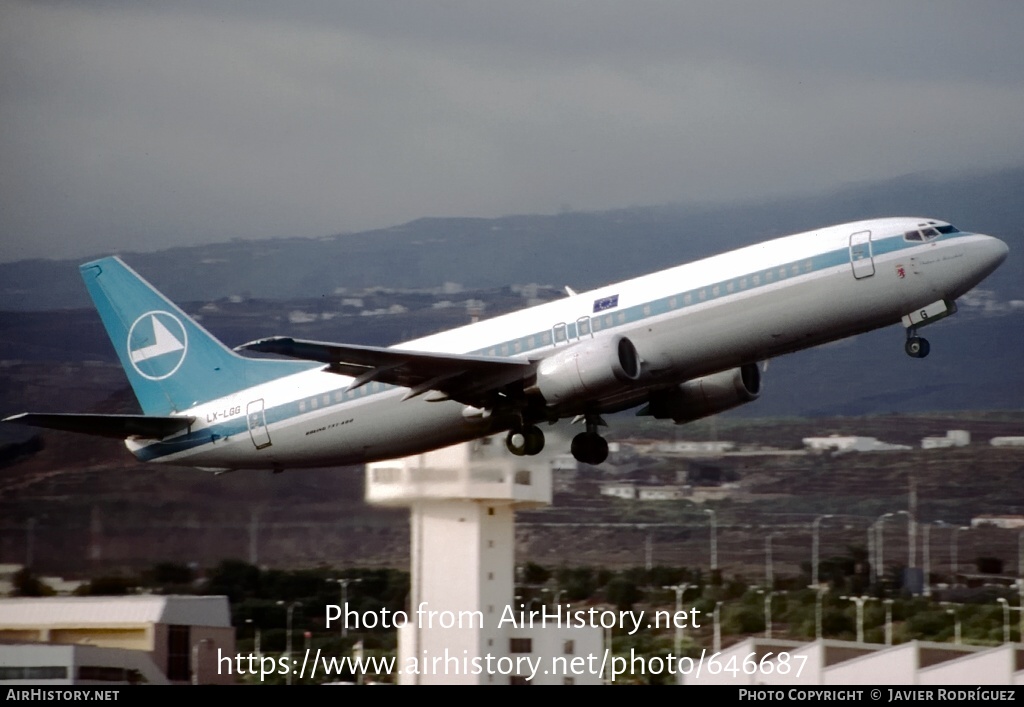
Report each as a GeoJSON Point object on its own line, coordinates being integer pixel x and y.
{"type": "Point", "coordinates": [157, 344]}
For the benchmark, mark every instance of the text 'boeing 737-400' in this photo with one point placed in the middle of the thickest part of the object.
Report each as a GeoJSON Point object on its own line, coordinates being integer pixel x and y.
{"type": "Point", "coordinates": [683, 343]}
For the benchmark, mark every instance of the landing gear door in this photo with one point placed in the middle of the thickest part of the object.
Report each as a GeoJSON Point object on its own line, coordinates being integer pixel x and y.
{"type": "Point", "coordinates": [257, 422]}
{"type": "Point", "coordinates": [860, 255]}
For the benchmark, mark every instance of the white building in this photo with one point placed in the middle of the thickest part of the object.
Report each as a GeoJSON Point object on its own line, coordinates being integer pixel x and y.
{"type": "Point", "coordinates": [48, 664]}
{"type": "Point", "coordinates": [1007, 441]}
{"type": "Point", "coordinates": [662, 493]}
{"type": "Point", "coordinates": [840, 444]}
{"type": "Point", "coordinates": [953, 438]}
{"type": "Point", "coordinates": [760, 661]}
{"type": "Point", "coordinates": [619, 490]}
{"type": "Point", "coordinates": [696, 448]}
{"type": "Point", "coordinates": [181, 635]}
{"type": "Point", "coordinates": [1010, 522]}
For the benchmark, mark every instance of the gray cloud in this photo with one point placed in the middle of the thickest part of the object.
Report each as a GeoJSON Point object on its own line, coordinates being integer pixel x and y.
{"type": "Point", "coordinates": [148, 124]}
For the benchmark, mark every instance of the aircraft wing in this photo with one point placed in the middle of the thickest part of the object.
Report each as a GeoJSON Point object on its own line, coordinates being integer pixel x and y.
{"type": "Point", "coordinates": [469, 379]}
{"type": "Point", "coordinates": [118, 426]}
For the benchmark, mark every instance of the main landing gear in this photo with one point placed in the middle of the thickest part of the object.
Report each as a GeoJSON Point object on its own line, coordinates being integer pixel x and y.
{"type": "Point", "coordinates": [527, 440]}
{"type": "Point", "coordinates": [589, 447]}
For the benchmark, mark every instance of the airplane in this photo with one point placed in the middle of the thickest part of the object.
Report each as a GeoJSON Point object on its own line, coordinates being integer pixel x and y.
{"type": "Point", "coordinates": [680, 344]}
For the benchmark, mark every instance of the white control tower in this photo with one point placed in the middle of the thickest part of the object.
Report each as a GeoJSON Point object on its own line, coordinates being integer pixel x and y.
{"type": "Point", "coordinates": [462, 501]}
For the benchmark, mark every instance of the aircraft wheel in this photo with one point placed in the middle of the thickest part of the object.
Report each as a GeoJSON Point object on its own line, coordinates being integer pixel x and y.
{"type": "Point", "coordinates": [589, 448]}
{"type": "Point", "coordinates": [917, 347]}
{"type": "Point", "coordinates": [516, 442]}
{"type": "Point", "coordinates": [534, 440]}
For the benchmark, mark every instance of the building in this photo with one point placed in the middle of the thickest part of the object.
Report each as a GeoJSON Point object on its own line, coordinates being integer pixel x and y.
{"type": "Point", "coordinates": [760, 661]}
{"type": "Point", "coordinates": [183, 636]}
{"type": "Point", "coordinates": [953, 438]}
{"type": "Point", "coordinates": [49, 664]}
{"type": "Point", "coordinates": [1010, 522]}
{"type": "Point", "coordinates": [840, 445]}
{"type": "Point", "coordinates": [1007, 441]}
{"type": "Point", "coordinates": [710, 448]}
{"type": "Point", "coordinates": [662, 493]}
{"type": "Point", "coordinates": [619, 490]}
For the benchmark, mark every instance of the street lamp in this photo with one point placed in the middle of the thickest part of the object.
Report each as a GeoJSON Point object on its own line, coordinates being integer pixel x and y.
{"type": "Point", "coordinates": [557, 592]}
{"type": "Point", "coordinates": [767, 610]}
{"type": "Point", "coordinates": [528, 606]}
{"type": "Point", "coordinates": [872, 562]}
{"type": "Point", "coordinates": [888, 621]}
{"type": "Point", "coordinates": [716, 643]}
{"type": "Point", "coordinates": [343, 583]}
{"type": "Point", "coordinates": [880, 523]}
{"type": "Point", "coordinates": [927, 552]}
{"type": "Point", "coordinates": [288, 637]}
{"type": "Point", "coordinates": [1006, 618]}
{"type": "Point", "coordinates": [714, 540]}
{"type": "Point", "coordinates": [815, 528]}
{"type": "Point", "coordinates": [878, 567]}
{"type": "Point", "coordinates": [860, 614]}
{"type": "Point", "coordinates": [680, 589]}
{"type": "Point", "coordinates": [256, 644]}
{"type": "Point", "coordinates": [953, 552]}
{"type": "Point", "coordinates": [822, 589]}
{"type": "Point", "coordinates": [956, 623]}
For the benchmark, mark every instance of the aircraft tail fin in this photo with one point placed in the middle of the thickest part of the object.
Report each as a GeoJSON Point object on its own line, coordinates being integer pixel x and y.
{"type": "Point", "coordinates": [171, 361]}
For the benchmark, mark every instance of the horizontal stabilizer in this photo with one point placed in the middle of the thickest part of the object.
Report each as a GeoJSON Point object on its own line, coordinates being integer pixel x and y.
{"type": "Point", "coordinates": [117, 426]}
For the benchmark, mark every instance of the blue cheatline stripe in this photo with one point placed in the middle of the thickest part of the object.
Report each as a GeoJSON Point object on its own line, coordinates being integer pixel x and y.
{"type": "Point", "coordinates": [536, 341]}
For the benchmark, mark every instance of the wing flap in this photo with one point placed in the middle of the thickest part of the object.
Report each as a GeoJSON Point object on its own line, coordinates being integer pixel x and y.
{"type": "Point", "coordinates": [116, 426]}
{"type": "Point", "coordinates": [459, 376]}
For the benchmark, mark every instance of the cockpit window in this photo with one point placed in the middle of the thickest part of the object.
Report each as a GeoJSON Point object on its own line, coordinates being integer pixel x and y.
{"type": "Point", "coordinates": [929, 232]}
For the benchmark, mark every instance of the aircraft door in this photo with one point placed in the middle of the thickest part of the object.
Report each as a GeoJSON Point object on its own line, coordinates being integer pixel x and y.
{"type": "Point", "coordinates": [860, 255]}
{"type": "Point", "coordinates": [257, 421]}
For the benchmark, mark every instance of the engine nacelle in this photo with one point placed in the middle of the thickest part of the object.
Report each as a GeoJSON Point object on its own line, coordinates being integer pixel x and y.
{"type": "Point", "coordinates": [706, 396]}
{"type": "Point", "coordinates": [587, 370]}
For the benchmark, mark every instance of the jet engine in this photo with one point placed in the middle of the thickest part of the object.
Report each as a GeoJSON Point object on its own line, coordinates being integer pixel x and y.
{"type": "Point", "coordinates": [706, 396]}
{"type": "Point", "coordinates": [587, 370]}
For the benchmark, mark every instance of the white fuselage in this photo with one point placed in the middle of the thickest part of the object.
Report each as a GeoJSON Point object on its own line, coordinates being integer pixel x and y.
{"type": "Point", "coordinates": [689, 321]}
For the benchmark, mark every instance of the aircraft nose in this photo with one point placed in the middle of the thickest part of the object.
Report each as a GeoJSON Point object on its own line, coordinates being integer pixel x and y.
{"type": "Point", "coordinates": [994, 251]}
{"type": "Point", "coordinates": [989, 254]}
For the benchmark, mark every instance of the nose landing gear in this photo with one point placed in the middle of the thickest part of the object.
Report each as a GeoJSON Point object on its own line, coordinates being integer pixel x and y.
{"type": "Point", "coordinates": [917, 347]}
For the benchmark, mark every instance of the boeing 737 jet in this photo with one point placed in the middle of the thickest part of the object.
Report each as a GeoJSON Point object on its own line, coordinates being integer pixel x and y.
{"type": "Point", "coordinates": [679, 344]}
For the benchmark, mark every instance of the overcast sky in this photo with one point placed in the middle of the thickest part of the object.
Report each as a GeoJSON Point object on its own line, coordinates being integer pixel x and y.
{"type": "Point", "coordinates": [145, 124]}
